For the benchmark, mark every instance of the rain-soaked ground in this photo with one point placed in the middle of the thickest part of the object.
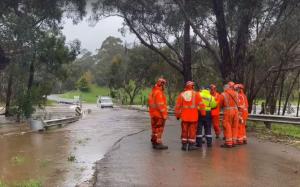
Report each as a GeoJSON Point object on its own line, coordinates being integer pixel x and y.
{"type": "Point", "coordinates": [66, 156]}
{"type": "Point", "coordinates": [133, 162]}
{"type": "Point", "coordinates": [130, 160]}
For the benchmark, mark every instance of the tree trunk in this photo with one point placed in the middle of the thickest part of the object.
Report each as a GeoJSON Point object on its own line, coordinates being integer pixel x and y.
{"type": "Point", "coordinates": [3, 60]}
{"type": "Point", "coordinates": [273, 85]}
{"type": "Point", "coordinates": [31, 77]}
{"type": "Point", "coordinates": [280, 94]}
{"type": "Point", "coordinates": [187, 58]}
{"type": "Point", "coordinates": [9, 93]}
{"type": "Point", "coordinates": [226, 65]}
{"type": "Point", "coordinates": [289, 92]}
{"type": "Point", "coordinates": [242, 39]}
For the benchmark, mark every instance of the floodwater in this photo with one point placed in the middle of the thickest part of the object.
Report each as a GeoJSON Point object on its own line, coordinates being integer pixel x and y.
{"type": "Point", "coordinates": [66, 156]}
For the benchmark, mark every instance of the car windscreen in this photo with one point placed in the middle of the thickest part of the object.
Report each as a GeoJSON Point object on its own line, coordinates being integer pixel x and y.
{"type": "Point", "coordinates": [106, 101]}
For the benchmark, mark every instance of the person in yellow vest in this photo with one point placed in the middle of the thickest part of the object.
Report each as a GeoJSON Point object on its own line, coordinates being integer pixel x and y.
{"type": "Point", "coordinates": [205, 120]}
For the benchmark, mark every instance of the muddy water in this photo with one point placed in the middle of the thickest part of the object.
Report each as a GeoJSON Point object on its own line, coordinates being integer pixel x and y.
{"type": "Point", "coordinates": [44, 156]}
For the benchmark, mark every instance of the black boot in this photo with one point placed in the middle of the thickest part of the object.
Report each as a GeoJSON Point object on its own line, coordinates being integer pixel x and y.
{"type": "Point", "coordinates": [199, 142]}
{"type": "Point", "coordinates": [160, 146]}
{"type": "Point", "coordinates": [184, 146]}
{"type": "Point", "coordinates": [209, 141]}
{"type": "Point", "coordinates": [192, 147]}
{"type": "Point", "coordinates": [226, 146]}
{"type": "Point", "coordinates": [153, 145]}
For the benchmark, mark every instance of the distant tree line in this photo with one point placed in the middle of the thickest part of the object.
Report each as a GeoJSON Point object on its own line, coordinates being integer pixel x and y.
{"type": "Point", "coordinates": [254, 42]}
{"type": "Point", "coordinates": [33, 51]}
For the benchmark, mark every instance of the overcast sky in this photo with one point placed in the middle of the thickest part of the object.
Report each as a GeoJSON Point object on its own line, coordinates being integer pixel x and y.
{"type": "Point", "coordinates": [91, 37]}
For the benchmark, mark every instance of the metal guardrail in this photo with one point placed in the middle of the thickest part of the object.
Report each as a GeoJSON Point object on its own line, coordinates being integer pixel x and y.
{"type": "Point", "coordinates": [275, 119]}
{"type": "Point", "coordinates": [60, 122]}
{"type": "Point", "coordinates": [251, 117]}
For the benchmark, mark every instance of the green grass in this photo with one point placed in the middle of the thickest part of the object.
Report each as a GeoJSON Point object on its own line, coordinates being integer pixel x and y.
{"type": "Point", "coordinates": [278, 130]}
{"type": "Point", "coordinates": [2, 184]}
{"type": "Point", "coordinates": [288, 130]}
{"type": "Point", "coordinates": [50, 103]}
{"type": "Point", "coordinates": [29, 183]}
{"type": "Point", "coordinates": [89, 97]}
{"type": "Point", "coordinates": [17, 160]}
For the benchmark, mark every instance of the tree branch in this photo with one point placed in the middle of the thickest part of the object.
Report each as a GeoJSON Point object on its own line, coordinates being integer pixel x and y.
{"type": "Point", "coordinates": [198, 33]}
{"type": "Point", "coordinates": [151, 46]}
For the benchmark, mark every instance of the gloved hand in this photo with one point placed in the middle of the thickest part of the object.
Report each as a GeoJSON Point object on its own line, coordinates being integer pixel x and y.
{"type": "Point", "coordinates": [241, 120]}
{"type": "Point", "coordinates": [178, 118]}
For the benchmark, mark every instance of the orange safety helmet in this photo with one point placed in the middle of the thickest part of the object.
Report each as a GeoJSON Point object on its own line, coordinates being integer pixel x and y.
{"type": "Point", "coordinates": [189, 84]}
{"type": "Point", "coordinates": [236, 86]}
{"type": "Point", "coordinates": [231, 84]}
{"type": "Point", "coordinates": [161, 82]}
{"type": "Point", "coordinates": [213, 87]}
{"type": "Point", "coordinates": [241, 86]}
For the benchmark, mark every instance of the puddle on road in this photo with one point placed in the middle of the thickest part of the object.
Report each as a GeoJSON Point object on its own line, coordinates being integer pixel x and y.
{"type": "Point", "coordinates": [35, 156]}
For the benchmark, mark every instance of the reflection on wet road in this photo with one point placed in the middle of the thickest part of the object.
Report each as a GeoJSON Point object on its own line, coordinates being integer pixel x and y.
{"type": "Point", "coordinates": [44, 156]}
{"type": "Point", "coordinates": [258, 164]}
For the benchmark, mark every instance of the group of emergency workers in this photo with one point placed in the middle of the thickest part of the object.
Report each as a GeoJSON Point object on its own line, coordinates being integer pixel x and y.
{"type": "Point", "coordinates": [199, 111]}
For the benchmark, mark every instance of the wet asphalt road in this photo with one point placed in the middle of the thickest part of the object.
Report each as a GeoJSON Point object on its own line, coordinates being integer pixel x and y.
{"type": "Point", "coordinates": [134, 163]}
{"type": "Point", "coordinates": [123, 135]}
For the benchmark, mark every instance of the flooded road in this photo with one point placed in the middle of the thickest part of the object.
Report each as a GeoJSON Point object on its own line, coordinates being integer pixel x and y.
{"type": "Point", "coordinates": [66, 156]}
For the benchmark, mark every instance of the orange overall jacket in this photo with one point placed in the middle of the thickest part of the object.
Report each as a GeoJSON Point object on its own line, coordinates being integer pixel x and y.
{"type": "Point", "coordinates": [243, 105]}
{"type": "Point", "coordinates": [229, 100]}
{"type": "Point", "coordinates": [157, 103]}
{"type": "Point", "coordinates": [187, 105]}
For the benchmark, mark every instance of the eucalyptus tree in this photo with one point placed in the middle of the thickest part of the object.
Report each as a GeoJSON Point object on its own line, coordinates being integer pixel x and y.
{"type": "Point", "coordinates": [26, 26]}
{"type": "Point", "coordinates": [157, 24]}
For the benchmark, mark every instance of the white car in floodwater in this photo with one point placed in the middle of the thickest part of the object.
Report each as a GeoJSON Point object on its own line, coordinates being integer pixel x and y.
{"type": "Point", "coordinates": [105, 102]}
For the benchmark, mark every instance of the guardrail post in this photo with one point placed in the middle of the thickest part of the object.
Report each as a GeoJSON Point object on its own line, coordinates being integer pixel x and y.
{"type": "Point", "coordinates": [298, 103]}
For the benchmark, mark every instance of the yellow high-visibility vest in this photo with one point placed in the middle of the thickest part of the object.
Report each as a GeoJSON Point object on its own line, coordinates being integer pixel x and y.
{"type": "Point", "coordinates": [208, 99]}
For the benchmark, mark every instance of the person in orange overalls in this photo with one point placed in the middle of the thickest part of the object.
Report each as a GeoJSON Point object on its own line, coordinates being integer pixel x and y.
{"type": "Point", "coordinates": [215, 113]}
{"type": "Point", "coordinates": [243, 115]}
{"type": "Point", "coordinates": [187, 105]}
{"type": "Point", "coordinates": [229, 103]}
{"type": "Point", "coordinates": [158, 112]}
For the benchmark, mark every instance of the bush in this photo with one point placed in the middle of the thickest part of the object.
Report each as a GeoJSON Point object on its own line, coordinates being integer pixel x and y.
{"type": "Point", "coordinates": [83, 84]}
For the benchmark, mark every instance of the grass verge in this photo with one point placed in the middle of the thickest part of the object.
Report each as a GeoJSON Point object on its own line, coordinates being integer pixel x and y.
{"type": "Point", "coordinates": [2, 184]}
{"type": "Point", "coordinates": [28, 183]}
{"type": "Point", "coordinates": [281, 133]}
{"type": "Point", "coordinates": [95, 91]}
{"type": "Point", "coordinates": [50, 103]}
{"type": "Point", "coordinates": [89, 97]}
